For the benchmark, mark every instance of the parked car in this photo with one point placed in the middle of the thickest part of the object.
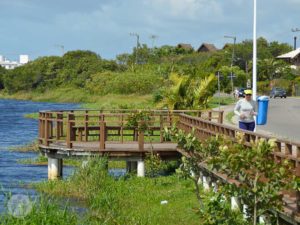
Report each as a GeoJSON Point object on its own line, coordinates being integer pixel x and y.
{"type": "Point", "coordinates": [277, 92]}
{"type": "Point", "coordinates": [241, 92]}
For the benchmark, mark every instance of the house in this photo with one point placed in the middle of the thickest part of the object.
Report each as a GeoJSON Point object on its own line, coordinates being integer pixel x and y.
{"type": "Point", "coordinates": [187, 47]}
{"type": "Point", "coordinates": [292, 57]}
{"type": "Point", "coordinates": [205, 47]}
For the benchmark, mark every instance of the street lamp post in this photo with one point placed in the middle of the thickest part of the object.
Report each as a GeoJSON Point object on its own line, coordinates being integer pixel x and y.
{"type": "Point", "coordinates": [232, 59]}
{"type": "Point", "coordinates": [254, 72]}
{"type": "Point", "coordinates": [295, 37]}
{"type": "Point", "coordinates": [137, 45]}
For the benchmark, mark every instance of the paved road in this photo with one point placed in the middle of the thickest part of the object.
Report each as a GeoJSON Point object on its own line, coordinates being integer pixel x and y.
{"type": "Point", "coordinates": [283, 118]}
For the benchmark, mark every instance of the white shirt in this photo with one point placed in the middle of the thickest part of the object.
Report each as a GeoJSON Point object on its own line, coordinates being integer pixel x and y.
{"type": "Point", "coordinates": [246, 108]}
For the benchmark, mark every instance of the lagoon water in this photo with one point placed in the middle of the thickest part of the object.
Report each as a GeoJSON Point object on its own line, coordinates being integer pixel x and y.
{"type": "Point", "coordinates": [15, 130]}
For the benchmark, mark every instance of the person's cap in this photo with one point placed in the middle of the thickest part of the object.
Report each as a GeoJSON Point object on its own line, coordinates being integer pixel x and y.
{"type": "Point", "coordinates": [248, 92]}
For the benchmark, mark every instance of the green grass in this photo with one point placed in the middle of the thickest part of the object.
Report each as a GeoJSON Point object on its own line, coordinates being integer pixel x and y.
{"type": "Point", "coordinates": [135, 200]}
{"type": "Point", "coordinates": [214, 102]}
{"type": "Point", "coordinates": [32, 115]}
{"type": "Point", "coordinates": [72, 95]}
{"type": "Point", "coordinates": [45, 211]}
{"type": "Point", "coordinates": [42, 160]}
{"type": "Point", "coordinates": [30, 147]}
{"type": "Point", "coordinates": [128, 200]}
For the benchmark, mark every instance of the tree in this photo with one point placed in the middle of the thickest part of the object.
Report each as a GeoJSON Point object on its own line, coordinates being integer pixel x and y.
{"type": "Point", "coordinates": [2, 73]}
{"type": "Point", "coordinates": [184, 92]}
{"type": "Point", "coordinates": [260, 178]}
{"type": "Point", "coordinates": [271, 68]}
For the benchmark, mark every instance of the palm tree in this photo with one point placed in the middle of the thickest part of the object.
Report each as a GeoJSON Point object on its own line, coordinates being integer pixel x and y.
{"type": "Point", "coordinates": [188, 93]}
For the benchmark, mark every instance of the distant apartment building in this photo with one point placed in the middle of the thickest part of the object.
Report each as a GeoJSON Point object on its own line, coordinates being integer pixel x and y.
{"type": "Point", "coordinates": [7, 64]}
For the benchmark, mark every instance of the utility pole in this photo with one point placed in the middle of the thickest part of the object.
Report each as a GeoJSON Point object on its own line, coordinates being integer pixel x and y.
{"type": "Point", "coordinates": [232, 59]}
{"type": "Point", "coordinates": [295, 37]}
{"type": "Point", "coordinates": [153, 37]}
{"type": "Point", "coordinates": [137, 45]}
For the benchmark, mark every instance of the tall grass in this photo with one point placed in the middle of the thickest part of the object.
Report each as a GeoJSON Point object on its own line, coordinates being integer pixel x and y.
{"type": "Point", "coordinates": [45, 211]}
{"type": "Point", "coordinates": [135, 200]}
{"type": "Point", "coordinates": [129, 199]}
{"type": "Point", "coordinates": [72, 95]}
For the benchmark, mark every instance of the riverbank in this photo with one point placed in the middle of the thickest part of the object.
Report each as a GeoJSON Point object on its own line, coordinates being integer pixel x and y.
{"type": "Point", "coordinates": [134, 200]}
{"type": "Point", "coordinates": [86, 100]}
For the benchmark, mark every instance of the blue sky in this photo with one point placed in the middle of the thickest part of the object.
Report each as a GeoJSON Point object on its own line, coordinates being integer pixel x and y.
{"type": "Point", "coordinates": [39, 27]}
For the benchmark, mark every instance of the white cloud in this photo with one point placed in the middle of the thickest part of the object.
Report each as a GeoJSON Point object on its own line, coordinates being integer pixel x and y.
{"type": "Point", "coordinates": [104, 25]}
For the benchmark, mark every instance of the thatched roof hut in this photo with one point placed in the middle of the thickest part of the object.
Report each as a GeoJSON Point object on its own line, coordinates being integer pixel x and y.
{"type": "Point", "coordinates": [205, 47]}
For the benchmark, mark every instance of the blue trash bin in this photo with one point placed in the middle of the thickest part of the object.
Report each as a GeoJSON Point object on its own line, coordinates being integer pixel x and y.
{"type": "Point", "coordinates": [262, 114]}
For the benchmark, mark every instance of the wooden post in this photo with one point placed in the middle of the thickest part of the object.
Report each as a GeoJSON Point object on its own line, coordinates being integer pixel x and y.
{"type": "Point", "coordinates": [220, 119]}
{"type": "Point", "coordinates": [41, 127]}
{"type": "Point", "coordinates": [122, 130]}
{"type": "Point", "coordinates": [46, 130]}
{"type": "Point", "coordinates": [102, 135]}
{"type": "Point", "coordinates": [86, 125]}
{"type": "Point", "coordinates": [161, 124]}
{"type": "Point", "coordinates": [199, 114]}
{"type": "Point", "coordinates": [141, 140]}
{"type": "Point", "coordinates": [170, 118]}
{"type": "Point", "coordinates": [70, 134]}
{"type": "Point", "coordinates": [59, 125]}
{"type": "Point", "coordinates": [209, 115]}
{"type": "Point", "coordinates": [50, 127]}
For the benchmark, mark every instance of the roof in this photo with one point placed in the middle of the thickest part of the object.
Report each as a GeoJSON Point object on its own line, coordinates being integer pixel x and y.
{"type": "Point", "coordinates": [205, 47]}
{"type": "Point", "coordinates": [184, 46]}
{"type": "Point", "coordinates": [290, 55]}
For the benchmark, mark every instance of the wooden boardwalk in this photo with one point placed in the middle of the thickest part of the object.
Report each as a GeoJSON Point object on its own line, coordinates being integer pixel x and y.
{"type": "Point", "coordinates": [115, 133]}
{"type": "Point", "coordinates": [113, 150]}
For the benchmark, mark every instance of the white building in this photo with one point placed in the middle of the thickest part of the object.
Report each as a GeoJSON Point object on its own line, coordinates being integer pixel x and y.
{"type": "Point", "coordinates": [292, 57]}
{"type": "Point", "coordinates": [7, 64]}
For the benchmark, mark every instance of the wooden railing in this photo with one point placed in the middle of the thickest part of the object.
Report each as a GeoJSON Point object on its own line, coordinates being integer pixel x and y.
{"type": "Point", "coordinates": [285, 149]}
{"type": "Point", "coordinates": [110, 125]}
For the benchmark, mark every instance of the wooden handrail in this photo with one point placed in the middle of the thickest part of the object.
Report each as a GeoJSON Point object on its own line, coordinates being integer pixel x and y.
{"type": "Point", "coordinates": [72, 126]}
{"type": "Point", "coordinates": [286, 149]}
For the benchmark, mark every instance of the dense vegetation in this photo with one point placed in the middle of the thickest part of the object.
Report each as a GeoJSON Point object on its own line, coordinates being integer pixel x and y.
{"type": "Point", "coordinates": [148, 71]}
{"type": "Point", "coordinates": [134, 200]}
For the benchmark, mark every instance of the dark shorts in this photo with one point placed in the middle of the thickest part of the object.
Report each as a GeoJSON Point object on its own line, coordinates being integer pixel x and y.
{"type": "Point", "coordinates": [247, 126]}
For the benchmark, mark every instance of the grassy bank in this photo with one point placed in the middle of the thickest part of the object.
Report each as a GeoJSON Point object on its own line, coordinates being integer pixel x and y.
{"type": "Point", "coordinates": [87, 100]}
{"type": "Point", "coordinates": [128, 200]}
{"type": "Point", "coordinates": [134, 200]}
{"type": "Point", "coordinates": [71, 95]}
{"type": "Point", "coordinates": [44, 210]}
{"type": "Point", "coordinates": [125, 200]}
